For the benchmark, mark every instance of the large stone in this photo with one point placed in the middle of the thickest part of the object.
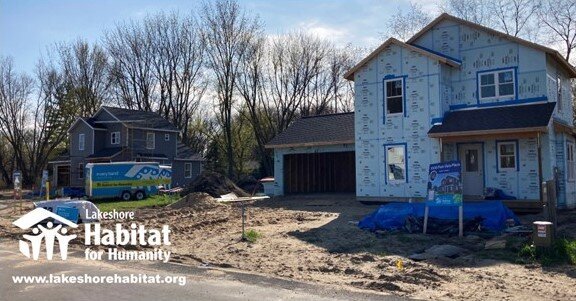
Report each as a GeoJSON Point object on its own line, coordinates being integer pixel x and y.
{"type": "Point", "coordinates": [437, 251]}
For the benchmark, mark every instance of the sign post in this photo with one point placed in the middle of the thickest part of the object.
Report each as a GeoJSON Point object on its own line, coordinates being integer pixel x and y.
{"type": "Point", "coordinates": [17, 180]}
{"type": "Point", "coordinates": [445, 189]}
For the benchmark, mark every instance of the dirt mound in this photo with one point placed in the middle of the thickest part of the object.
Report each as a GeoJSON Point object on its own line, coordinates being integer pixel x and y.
{"type": "Point", "coordinates": [197, 201]}
{"type": "Point", "coordinates": [213, 184]}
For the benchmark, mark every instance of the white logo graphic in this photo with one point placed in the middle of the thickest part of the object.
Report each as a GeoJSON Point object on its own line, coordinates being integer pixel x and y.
{"type": "Point", "coordinates": [49, 234]}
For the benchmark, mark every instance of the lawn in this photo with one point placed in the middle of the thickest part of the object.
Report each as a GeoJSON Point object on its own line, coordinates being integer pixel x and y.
{"type": "Point", "coordinates": [152, 201]}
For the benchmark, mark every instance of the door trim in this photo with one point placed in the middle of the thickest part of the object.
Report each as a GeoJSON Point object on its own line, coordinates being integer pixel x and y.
{"type": "Point", "coordinates": [483, 158]}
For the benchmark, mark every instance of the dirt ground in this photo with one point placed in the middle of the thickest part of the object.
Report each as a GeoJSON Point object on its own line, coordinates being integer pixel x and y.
{"type": "Point", "coordinates": [315, 238]}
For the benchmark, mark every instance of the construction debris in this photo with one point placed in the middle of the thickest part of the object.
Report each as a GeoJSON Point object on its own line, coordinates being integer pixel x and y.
{"type": "Point", "coordinates": [213, 184]}
{"type": "Point", "coordinates": [437, 251]}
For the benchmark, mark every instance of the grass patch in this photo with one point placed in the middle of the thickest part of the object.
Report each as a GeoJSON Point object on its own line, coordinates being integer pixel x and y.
{"type": "Point", "coordinates": [152, 201]}
{"type": "Point", "coordinates": [562, 251]}
{"type": "Point", "coordinates": [252, 236]}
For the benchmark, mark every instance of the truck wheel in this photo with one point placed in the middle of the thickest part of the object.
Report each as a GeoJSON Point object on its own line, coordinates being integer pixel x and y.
{"type": "Point", "coordinates": [126, 196]}
{"type": "Point", "coordinates": [140, 195]}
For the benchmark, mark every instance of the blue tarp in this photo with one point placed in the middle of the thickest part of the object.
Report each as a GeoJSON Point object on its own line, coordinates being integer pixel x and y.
{"type": "Point", "coordinates": [392, 216]}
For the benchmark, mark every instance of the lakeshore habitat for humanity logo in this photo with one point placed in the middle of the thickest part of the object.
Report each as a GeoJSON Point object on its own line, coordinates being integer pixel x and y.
{"type": "Point", "coordinates": [49, 234]}
{"type": "Point", "coordinates": [94, 234]}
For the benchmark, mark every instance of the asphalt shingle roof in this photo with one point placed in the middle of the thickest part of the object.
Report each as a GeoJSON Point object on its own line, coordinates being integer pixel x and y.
{"type": "Point", "coordinates": [317, 130]}
{"type": "Point", "coordinates": [142, 119]}
{"type": "Point", "coordinates": [186, 153]}
{"type": "Point", "coordinates": [105, 153]}
{"type": "Point", "coordinates": [498, 118]}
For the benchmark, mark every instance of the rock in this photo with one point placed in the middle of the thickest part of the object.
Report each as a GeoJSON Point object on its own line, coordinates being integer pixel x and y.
{"type": "Point", "coordinates": [437, 251]}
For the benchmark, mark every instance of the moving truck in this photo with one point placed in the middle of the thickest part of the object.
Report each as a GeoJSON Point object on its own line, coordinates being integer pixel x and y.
{"type": "Point", "coordinates": [126, 180]}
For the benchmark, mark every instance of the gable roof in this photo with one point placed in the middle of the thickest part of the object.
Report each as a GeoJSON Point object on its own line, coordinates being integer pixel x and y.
{"type": "Point", "coordinates": [317, 130]}
{"type": "Point", "coordinates": [88, 121]}
{"type": "Point", "coordinates": [552, 52]}
{"type": "Point", "coordinates": [350, 74]}
{"type": "Point", "coordinates": [141, 119]}
{"type": "Point", "coordinates": [505, 119]}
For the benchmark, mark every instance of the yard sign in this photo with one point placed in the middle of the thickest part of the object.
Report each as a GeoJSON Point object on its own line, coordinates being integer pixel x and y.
{"type": "Point", "coordinates": [445, 189]}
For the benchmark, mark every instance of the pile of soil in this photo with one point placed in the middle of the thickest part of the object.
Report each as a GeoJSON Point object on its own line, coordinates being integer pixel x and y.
{"type": "Point", "coordinates": [213, 184]}
{"type": "Point", "coordinates": [196, 201]}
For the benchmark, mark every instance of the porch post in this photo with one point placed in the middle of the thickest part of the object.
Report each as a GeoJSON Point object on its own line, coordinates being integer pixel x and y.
{"type": "Point", "coordinates": [540, 177]}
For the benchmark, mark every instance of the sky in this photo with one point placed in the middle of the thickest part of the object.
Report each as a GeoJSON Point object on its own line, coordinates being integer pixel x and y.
{"type": "Point", "coordinates": [29, 27]}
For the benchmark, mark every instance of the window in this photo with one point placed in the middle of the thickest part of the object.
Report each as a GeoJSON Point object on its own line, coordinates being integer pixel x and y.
{"type": "Point", "coordinates": [81, 141]}
{"type": "Point", "coordinates": [559, 93]}
{"type": "Point", "coordinates": [496, 84]}
{"type": "Point", "coordinates": [570, 166]}
{"type": "Point", "coordinates": [115, 138]}
{"type": "Point", "coordinates": [396, 163]}
{"type": "Point", "coordinates": [394, 96]}
{"type": "Point", "coordinates": [507, 155]}
{"type": "Point", "coordinates": [80, 170]}
{"type": "Point", "coordinates": [150, 140]}
{"type": "Point", "coordinates": [166, 137]}
{"type": "Point", "coordinates": [188, 170]}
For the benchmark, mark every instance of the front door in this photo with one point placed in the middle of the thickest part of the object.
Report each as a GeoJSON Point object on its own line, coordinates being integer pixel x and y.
{"type": "Point", "coordinates": [472, 169]}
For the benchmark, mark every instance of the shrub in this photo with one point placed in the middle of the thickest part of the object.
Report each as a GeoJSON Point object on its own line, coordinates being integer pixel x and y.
{"type": "Point", "coordinates": [252, 235]}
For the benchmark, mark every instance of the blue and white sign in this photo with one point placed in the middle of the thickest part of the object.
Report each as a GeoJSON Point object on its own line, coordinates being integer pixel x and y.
{"type": "Point", "coordinates": [445, 184]}
{"type": "Point", "coordinates": [69, 213]}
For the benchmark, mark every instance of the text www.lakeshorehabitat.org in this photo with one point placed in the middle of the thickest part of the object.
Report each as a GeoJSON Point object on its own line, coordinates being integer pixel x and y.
{"type": "Point", "coordinates": [92, 279]}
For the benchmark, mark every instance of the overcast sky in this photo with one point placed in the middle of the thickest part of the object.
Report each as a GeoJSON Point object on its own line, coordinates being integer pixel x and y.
{"type": "Point", "coordinates": [28, 27]}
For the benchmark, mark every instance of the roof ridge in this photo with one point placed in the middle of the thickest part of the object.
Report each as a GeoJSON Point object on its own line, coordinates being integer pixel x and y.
{"type": "Point", "coordinates": [327, 115]}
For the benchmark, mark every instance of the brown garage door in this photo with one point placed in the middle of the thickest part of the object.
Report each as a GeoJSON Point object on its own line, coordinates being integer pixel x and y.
{"type": "Point", "coordinates": [319, 172]}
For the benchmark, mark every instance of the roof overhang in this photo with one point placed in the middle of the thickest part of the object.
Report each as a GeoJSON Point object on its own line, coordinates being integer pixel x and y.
{"type": "Point", "coordinates": [307, 144]}
{"type": "Point", "coordinates": [350, 74]}
{"type": "Point", "coordinates": [150, 129]}
{"type": "Point", "coordinates": [59, 162]}
{"type": "Point", "coordinates": [489, 132]}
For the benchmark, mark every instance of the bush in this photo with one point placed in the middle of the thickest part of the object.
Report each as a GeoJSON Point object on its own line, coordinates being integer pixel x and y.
{"type": "Point", "coordinates": [562, 251]}
{"type": "Point", "coordinates": [252, 235]}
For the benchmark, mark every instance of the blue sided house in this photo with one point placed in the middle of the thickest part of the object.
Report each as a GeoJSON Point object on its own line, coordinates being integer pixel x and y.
{"type": "Point", "coordinates": [456, 90]}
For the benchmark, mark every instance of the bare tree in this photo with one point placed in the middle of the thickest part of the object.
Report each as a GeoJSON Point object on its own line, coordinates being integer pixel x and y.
{"type": "Point", "coordinates": [514, 17]}
{"type": "Point", "coordinates": [85, 71]}
{"type": "Point", "coordinates": [471, 10]}
{"type": "Point", "coordinates": [404, 24]}
{"type": "Point", "coordinates": [227, 31]}
{"type": "Point", "coordinates": [15, 92]}
{"type": "Point", "coordinates": [559, 16]}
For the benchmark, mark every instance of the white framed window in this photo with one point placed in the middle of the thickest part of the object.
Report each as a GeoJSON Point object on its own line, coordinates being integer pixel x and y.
{"type": "Point", "coordinates": [570, 165]}
{"type": "Point", "coordinates": [188, 170]}
{"type": "Point", "coordinates": [81, 141]}
{"type": "Point", "coordinates": [166, 137]}
{"type": "Point", "coordinates": [396, 163]}
{"type": "Point", "coordinates": [559, 93]}
{"type": "Point", "coordinates": [115, 138]}
{"type": "Point", "coordinates": [507, 155]}
{"type": "Point", "coordinates": [150, 140]}
{"type": "Point", "coordinates": [80, 170]}
{"type": "Point", "coordinates": [394, 96]}
{"type": "Point", "coordinates": [496, 84]}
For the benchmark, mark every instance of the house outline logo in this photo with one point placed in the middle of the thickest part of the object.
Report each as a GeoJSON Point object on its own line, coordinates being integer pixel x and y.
{"type": "Point", "coordinates": [49, 233]}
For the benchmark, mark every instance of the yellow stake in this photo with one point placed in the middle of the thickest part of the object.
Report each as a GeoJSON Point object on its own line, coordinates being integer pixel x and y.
{"type": "Point", "coordinates": [47, 190]}
{"type": "Point", "coordinates": [400, 264]}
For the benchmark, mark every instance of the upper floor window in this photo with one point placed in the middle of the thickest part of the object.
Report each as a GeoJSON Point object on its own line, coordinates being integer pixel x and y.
{"type": "Point", "coordinates": [115, 138]}
{"type": "Point", "coordinates": [394, 96]}
{"type": "Point", "coordinates": [166, 137]}
{"type": "Point", "coordinates": [507, 154]}
{"type": "Point", "coordinates": [396, 163]}
{"type": "Point", "coordinates": [559, 93]}
{"type": "Point", "coordinates": [81, 141]}
{"type": "Point", "coordinates": [150, 140]}
{"type": "Point", "coordinates": [495, 84]}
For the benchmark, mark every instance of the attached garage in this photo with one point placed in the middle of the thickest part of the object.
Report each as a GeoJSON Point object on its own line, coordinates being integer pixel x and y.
{"type": "Point", "coordinates": [315, 155]}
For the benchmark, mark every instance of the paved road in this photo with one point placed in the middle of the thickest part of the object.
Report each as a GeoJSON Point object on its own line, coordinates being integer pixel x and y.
{"type": "Point", "coordinates": [201, 284]}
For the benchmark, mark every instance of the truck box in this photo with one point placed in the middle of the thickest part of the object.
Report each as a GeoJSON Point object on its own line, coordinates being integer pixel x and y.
{"type": "Point", "coordinates": [125, 180]}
